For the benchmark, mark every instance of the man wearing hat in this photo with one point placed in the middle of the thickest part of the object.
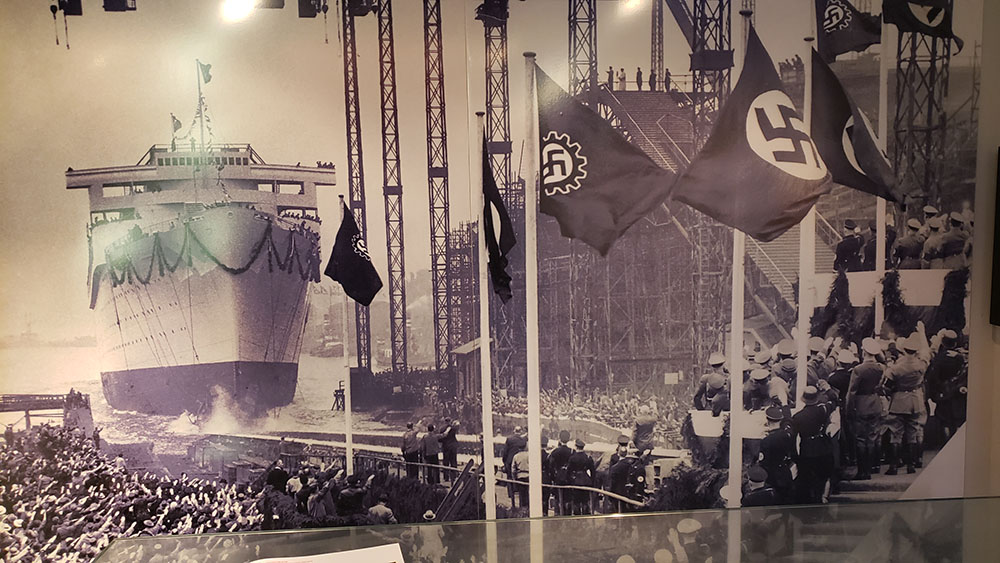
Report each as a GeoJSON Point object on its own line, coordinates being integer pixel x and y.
{"type": "Point", "coordinates": [819, 366]}
{"type": "Point", "coordinates": [953, 243]}
{"type": "Point", "coordinates": [815, 461]}
{"type": "Point", "coordinates": [622, 478]}
{"type": "Point", "coordinates": [755, 391]}
{"type": "Point", "coordinates": [558, 466]}
{"type": "Point", "coordinates": [411, 450]}
{"type": "Point", "coordinates": [907, 251]}
{"type": "Point", "coordinates": [758, 492]}
{"type": "Point", "coordinates": [711, 382]}
{"type": "Point", "coordinates": [930, 212]}
{"type": "Point", "coordinates": [932, 258]}
{"type": "Point", "coordinates": [849, 249]}
{"type": "Point", "coordinates": [863, 408]}
{"type": "Point", "coordinates": [907, 410]}
{"type": "Point", "coordinates": [516, 442]}
{"type": "Point", "coordinates": [948, 382]}
{"type": "Point", "coordinates": [777, 452]}
{"type": "Point", "coordinates": [581, 473]}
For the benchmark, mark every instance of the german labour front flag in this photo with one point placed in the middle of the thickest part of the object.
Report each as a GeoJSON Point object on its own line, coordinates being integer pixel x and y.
{"type": "Point", "coordinates": [844, 28]}
{"type": "Point", "coordinates": [497, 245]}
{"type": "Point", "coordinates": [350, 263]}
{"type": "Point", "coordinates": [845, 138]}
{"type": "Point", "coordinates": [759, 171]}
{"type": "Point", "coordinates": [594, 182]}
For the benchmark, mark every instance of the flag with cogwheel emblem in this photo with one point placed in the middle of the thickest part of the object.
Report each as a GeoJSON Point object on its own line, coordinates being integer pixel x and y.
{"type": "Point", "coordinates": [594, 182]}
{"type": "Point", "coordinates": [351, 265]}
{"type": "Point", "coordinates": [759, 171]}
{"type": "Point", "coordinates": [844, 28]}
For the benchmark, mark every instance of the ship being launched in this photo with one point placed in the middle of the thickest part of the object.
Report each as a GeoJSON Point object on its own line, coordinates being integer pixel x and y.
{"type": "Point", "coordinates": [199, 271]}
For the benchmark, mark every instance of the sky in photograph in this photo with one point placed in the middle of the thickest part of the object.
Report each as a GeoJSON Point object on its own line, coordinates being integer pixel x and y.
{"type": "Point", "coordinates": [276, 85]}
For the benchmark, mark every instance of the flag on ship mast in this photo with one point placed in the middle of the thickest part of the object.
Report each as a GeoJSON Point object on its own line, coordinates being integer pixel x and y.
{"type": "Point", "coordinates": [206, 72]}
{"type": "Point", "coordinates": [759, 171]}
{"type": "Point", "coordinates": [176, 122]}
{"type": "Point", "coordinates": [350, 264]}
{"type": "Point", "coordinates": [845, 138]}
{"type": "Point", "coordinates": [844, 28]}
{"type": "Point", "coordinates": [593, 181]}
{"type": "Point", "coordinates": [497, 245]}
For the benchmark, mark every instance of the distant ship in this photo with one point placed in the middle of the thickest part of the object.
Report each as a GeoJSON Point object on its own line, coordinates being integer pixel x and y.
{"type": "Point", "coordinates": [200, 261]}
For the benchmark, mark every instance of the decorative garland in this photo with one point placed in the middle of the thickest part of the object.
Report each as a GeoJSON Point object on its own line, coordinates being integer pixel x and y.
{"type": "Point", "coordinates": [951, 313]}
{"type": "Point", "coordinates": [123, 269]}
{"type": "Point", "coordinates": [898, 316]}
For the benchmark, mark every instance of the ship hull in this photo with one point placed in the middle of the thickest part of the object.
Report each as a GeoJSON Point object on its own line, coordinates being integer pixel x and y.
{"type": "Point", "coordinates": [252, 387]}
{"type": "Point", "coordinates": [225, 324]}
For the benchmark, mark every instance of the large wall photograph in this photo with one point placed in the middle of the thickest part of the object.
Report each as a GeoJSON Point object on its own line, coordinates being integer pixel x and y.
{"type": "Point", "coordinates": [657, 255]}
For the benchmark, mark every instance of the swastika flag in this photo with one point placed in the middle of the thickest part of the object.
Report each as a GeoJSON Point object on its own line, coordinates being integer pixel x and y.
{"type": "Point", "coordinates": [930, 17]}
{"type": "Point", "coordinates": [845, 138]}
{"type": "Point", "coordinates": [759, 171]}
{"type": "Point", "coordinates": [593, 181]}
{"type": "Point", "coordinates": [350, 263]}
{"type": "Point", "coordinates": [499, 242]}
{"type": "Point", "coordinates": [844, 28]}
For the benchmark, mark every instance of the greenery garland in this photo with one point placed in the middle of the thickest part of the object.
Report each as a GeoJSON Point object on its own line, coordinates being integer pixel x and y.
{"type": "Point", "coordinates": [898, 316]}
{"type": "Point", "coordinates": [951, 313]}
{"type": "Point", "coordinates": [123, 269]}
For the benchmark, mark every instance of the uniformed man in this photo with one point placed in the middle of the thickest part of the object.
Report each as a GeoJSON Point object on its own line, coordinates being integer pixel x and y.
{"type": "Point", "coordinates": [906, 253]}
{"type": "Point", "coordinates": [868, 261]}
{"type": "Point", "coordinates": [642, 432]}
{"type": "Point", "coordinates": [840, 379]}
{"type": "Point", "coordinates": [863, 409]}
{"type": "Point", "coordinates": [948, 381]}
{"type": "Point", "coordinates": [849, 249]}
{"type": "Point", "coordinates": [711, 382]}
{"type": "Point", "coordinates": [558, 465]}
{"type": "Point", "coordinates": [820, 366]}
{"type": "Point", "coordinates": [907, 410]}
{"type": "Point", "coordinates": [758, 493]}
{"type": "Point", "coordinates": [763, 359]}
{"type": "Point", "coordinates": [932, 257]}
{"type": "Point", "coordinates": [930, 212]}
{"type": "Point", "coordinates": [777, 453]}
{"type": "Point", "coordinates": [628, 479]}
{"type": "Point", "coordinates": [953, 243]}
{"type": "Point", "coordinates": [787, 371]}
{"type": "Point", "coordinates": [411, 450]}
{"type": "Point", "coordinates": [581, 473]}
{"type": "Point", "coordinates": [815, 459]}
{"type": "Point", "coordinates": [755, 394]}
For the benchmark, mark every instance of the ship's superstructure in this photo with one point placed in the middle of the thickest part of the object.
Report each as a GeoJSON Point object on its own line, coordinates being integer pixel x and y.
{"type": "Point", "coordinates": [200, 265]}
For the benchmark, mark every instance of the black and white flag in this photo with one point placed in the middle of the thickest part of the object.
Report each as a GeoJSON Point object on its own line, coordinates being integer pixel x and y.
{"type": "Point", "coordinates": [350, 263]}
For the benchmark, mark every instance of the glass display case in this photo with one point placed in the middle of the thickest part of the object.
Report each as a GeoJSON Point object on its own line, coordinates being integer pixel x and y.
{"type": "Point", "coordinates": [911, 531]}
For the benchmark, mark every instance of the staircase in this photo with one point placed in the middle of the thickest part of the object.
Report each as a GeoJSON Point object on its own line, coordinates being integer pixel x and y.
{"type": "Point", "coordinates": [779, 260]}
{"type": "Point", "coordinates": [656, 122]}
{"type": "Point", "coordinates": [467, 483]}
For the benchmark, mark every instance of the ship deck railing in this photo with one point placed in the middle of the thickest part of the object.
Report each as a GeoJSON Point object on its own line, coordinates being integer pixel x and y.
{"type": "Point", "coordinates": [149, 158]}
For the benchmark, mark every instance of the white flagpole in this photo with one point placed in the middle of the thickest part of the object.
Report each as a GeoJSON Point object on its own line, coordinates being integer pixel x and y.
{"type": "Point", "coordinates": [485, 362]}
{"type": "Point", "coordinates": [735, 484]}
{"type": "Point", "coordinates": [535, 508]}
{"type": "Point", "coordinates": [348, 419]}
{"type": "Point", "coordinates": [807, 234]}
{"type": "Point", "coordinates": [883, 140]}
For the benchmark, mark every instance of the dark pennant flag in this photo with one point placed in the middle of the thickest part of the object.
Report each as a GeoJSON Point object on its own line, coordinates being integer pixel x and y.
{"type": "Point", "coordinates": [930, 17]}
{"type": "Point", "coordinates": [594, 182]}
{"type": "Point", "coordinates": [759, 171]}
{"type": "Point", "coordinates": [496, 246]}
{"type": "Point", "coordinates": [843, 28]}
{"type": "Point", "coordinates": [206, 72]}
{"type": "Point", "coordinates": [350, 264]}
{"type": "Point", "coordinates": [845, 138]}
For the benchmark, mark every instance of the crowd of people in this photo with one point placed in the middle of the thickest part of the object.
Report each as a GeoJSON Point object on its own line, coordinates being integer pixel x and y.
{"type": "Point", "coordinates": [62, 499]}
{"type": "Point", "coordinates": [942, 240]}
{"type": "Point", "coordinates": [863, 406]}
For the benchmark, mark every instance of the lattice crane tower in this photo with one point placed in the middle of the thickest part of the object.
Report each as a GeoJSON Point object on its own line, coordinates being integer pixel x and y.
{"type": "Point", "coordinates": [392, 188]}
{"type": "Point", "coordinates": [437, 181]}
{"type": "Point", "coordinates": [920, 124]}
{"type": "Point", "coordinates": [355, 167]}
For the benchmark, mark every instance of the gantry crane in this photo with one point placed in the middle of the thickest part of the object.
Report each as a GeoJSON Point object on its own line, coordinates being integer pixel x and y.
{"type": "Point", "coordinates": [437, 181]}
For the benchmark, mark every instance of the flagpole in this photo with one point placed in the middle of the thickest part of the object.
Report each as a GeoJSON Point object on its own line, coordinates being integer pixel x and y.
{"type": "Point", "coordinates": [485, 362]}
{"type": "Point", "coordinates": [201, 109]}
{"type": "Point", "coordinates": [348, 417]}
{"type": "Point", "coordinates": [807, 234]}
{"type": "Point", "coordinates": [735, 484]}
{"type": "Point", "coordinates": [880, 202]}
{"type": "Point", "coordinates": [535, 508]}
